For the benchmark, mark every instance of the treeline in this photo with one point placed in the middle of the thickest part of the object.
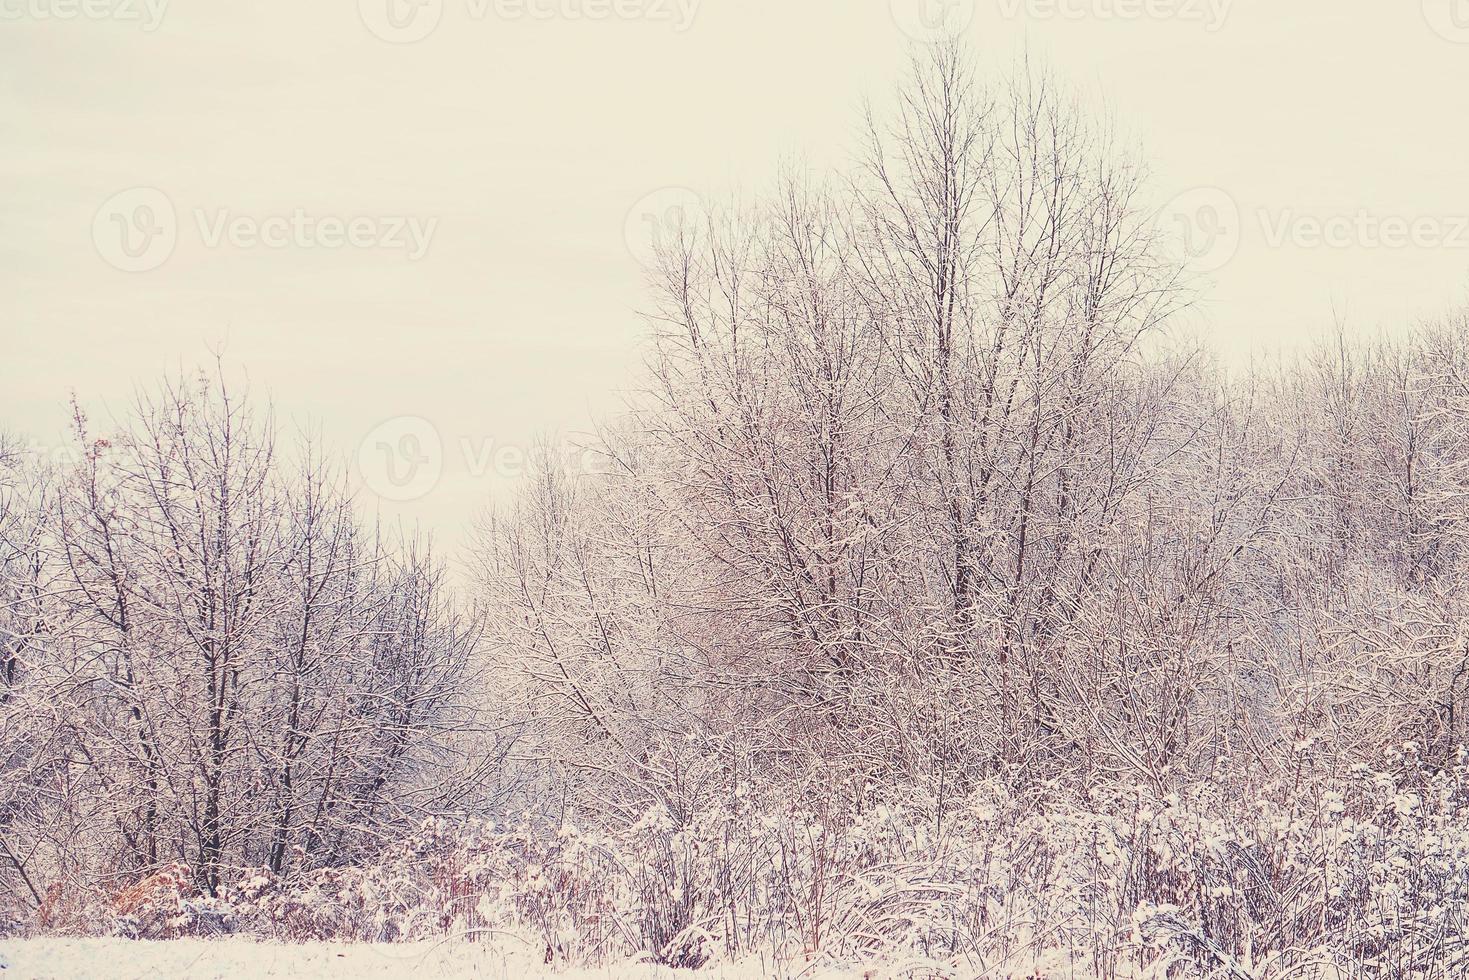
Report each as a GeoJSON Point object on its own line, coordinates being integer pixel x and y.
{"type": "Point", "coordinates": [926, 498]}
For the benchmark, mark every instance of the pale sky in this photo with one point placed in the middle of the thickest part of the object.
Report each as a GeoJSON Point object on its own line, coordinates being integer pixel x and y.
{"type": "Point", "coordinates": [446, 190]}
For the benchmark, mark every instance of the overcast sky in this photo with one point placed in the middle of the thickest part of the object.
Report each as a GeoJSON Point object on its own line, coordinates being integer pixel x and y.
{"type": "Point", "coordinates": [418, 224]}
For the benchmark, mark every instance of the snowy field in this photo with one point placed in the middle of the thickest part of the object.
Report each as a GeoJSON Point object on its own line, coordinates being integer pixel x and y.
{"type": "Point", "coordinates": [240, 958]}
{"type": "Point", "coordinates": [234, 958]}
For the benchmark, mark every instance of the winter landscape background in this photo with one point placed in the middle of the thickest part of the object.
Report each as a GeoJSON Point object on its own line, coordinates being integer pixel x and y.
{"type": "Point", "coordinates": [938, 586]}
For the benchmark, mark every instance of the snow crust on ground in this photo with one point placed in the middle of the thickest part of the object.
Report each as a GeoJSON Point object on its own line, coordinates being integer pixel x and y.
{"type": "Point", "coordinates": [238, 958]}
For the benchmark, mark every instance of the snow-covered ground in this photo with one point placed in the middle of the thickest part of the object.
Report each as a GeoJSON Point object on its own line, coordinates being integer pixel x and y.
{"type": "Point", "coordinates": [240, 959]}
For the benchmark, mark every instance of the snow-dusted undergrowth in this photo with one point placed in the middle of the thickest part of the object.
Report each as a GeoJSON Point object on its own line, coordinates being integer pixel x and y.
{"type": "Point", "coordinates": [1370, 884]}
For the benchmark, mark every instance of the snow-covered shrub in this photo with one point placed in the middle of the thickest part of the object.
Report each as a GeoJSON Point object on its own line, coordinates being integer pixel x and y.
{"type": "Point", "coordinates": [166, 905]}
